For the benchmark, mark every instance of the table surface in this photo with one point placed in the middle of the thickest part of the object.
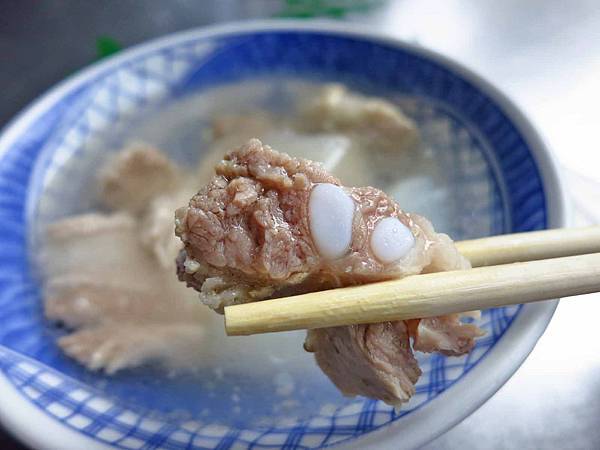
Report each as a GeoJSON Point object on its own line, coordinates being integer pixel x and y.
{"type": "Point", "coordinates": [543, 54]}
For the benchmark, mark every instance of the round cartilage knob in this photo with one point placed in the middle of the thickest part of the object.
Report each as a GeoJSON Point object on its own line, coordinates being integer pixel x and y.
{"type": "Point", "coordinates": [331, 213]}
{"type": "Point", "coordinates": [391, 240]}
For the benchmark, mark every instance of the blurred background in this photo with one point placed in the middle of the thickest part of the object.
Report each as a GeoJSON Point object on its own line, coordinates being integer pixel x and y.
{"type": "Point", "coordinates": [544, 54]}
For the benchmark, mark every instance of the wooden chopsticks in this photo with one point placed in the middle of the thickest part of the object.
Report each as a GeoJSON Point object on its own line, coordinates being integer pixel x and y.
{"type": "Point", "coordinates": [550, 272]}
{"type": "Point", "coordinates": [519, 247]}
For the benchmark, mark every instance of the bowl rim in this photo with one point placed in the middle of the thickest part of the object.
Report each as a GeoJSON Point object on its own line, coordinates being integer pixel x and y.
{"type": "Point", "coordinates": [474, 389]}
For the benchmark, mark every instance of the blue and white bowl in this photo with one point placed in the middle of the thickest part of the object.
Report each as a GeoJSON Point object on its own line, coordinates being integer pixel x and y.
{"type": "Point", "coordinates": [50, 402]}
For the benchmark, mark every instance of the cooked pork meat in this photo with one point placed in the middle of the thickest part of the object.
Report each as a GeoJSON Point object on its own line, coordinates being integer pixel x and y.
{"type": "Point", "coordinates": [249, 228]}
{"type": "Point", "coordinates": [376, 121]}
{"type": "Point", "coordinates": [114, 346]}
{"type": "Point", "coordinates": [269, 225]}
{"type": "Point", "coordinates": [242, 125]}
{"type": "Point", "coordinates": [156, 225]}
{"type": "Point", "coordinates": [135, 176]}
{"type": "Point", "coordinates": [371, 360]}
{"type": "Point", "coordinates": [99, 285]}
{"type": "Point", "coordinates": [98, 268]}
{"type": "Point", "coordinates": [445, 334]}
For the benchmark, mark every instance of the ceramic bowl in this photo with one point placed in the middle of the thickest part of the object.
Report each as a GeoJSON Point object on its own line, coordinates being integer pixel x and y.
{"type": "Point", "coordinates": [506, 182]}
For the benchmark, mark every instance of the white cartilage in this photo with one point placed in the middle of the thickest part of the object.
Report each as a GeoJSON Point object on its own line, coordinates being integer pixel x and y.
{"type": "Point", "coordinates": [331, 213]}
{"type": "Point", "coordinates": [391, 240]}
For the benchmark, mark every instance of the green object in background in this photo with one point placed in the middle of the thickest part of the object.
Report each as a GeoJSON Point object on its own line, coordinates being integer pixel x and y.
{"type": "Point", "coordinates": [326, 8]}
{"type": "Point", "coordinates": [106, 46]}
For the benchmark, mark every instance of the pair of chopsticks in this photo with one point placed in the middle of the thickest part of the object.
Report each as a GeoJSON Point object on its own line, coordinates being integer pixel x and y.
{"type": "Point", "coordinates": [548, 269]}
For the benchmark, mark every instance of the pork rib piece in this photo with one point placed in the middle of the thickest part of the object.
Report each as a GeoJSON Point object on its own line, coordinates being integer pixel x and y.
{"type": "Point", "coordinates": [269, 225]}
{"type": "Point", "coordinates": [135, 176]}
{"type": "Point", "coordinates": [374, 121]}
